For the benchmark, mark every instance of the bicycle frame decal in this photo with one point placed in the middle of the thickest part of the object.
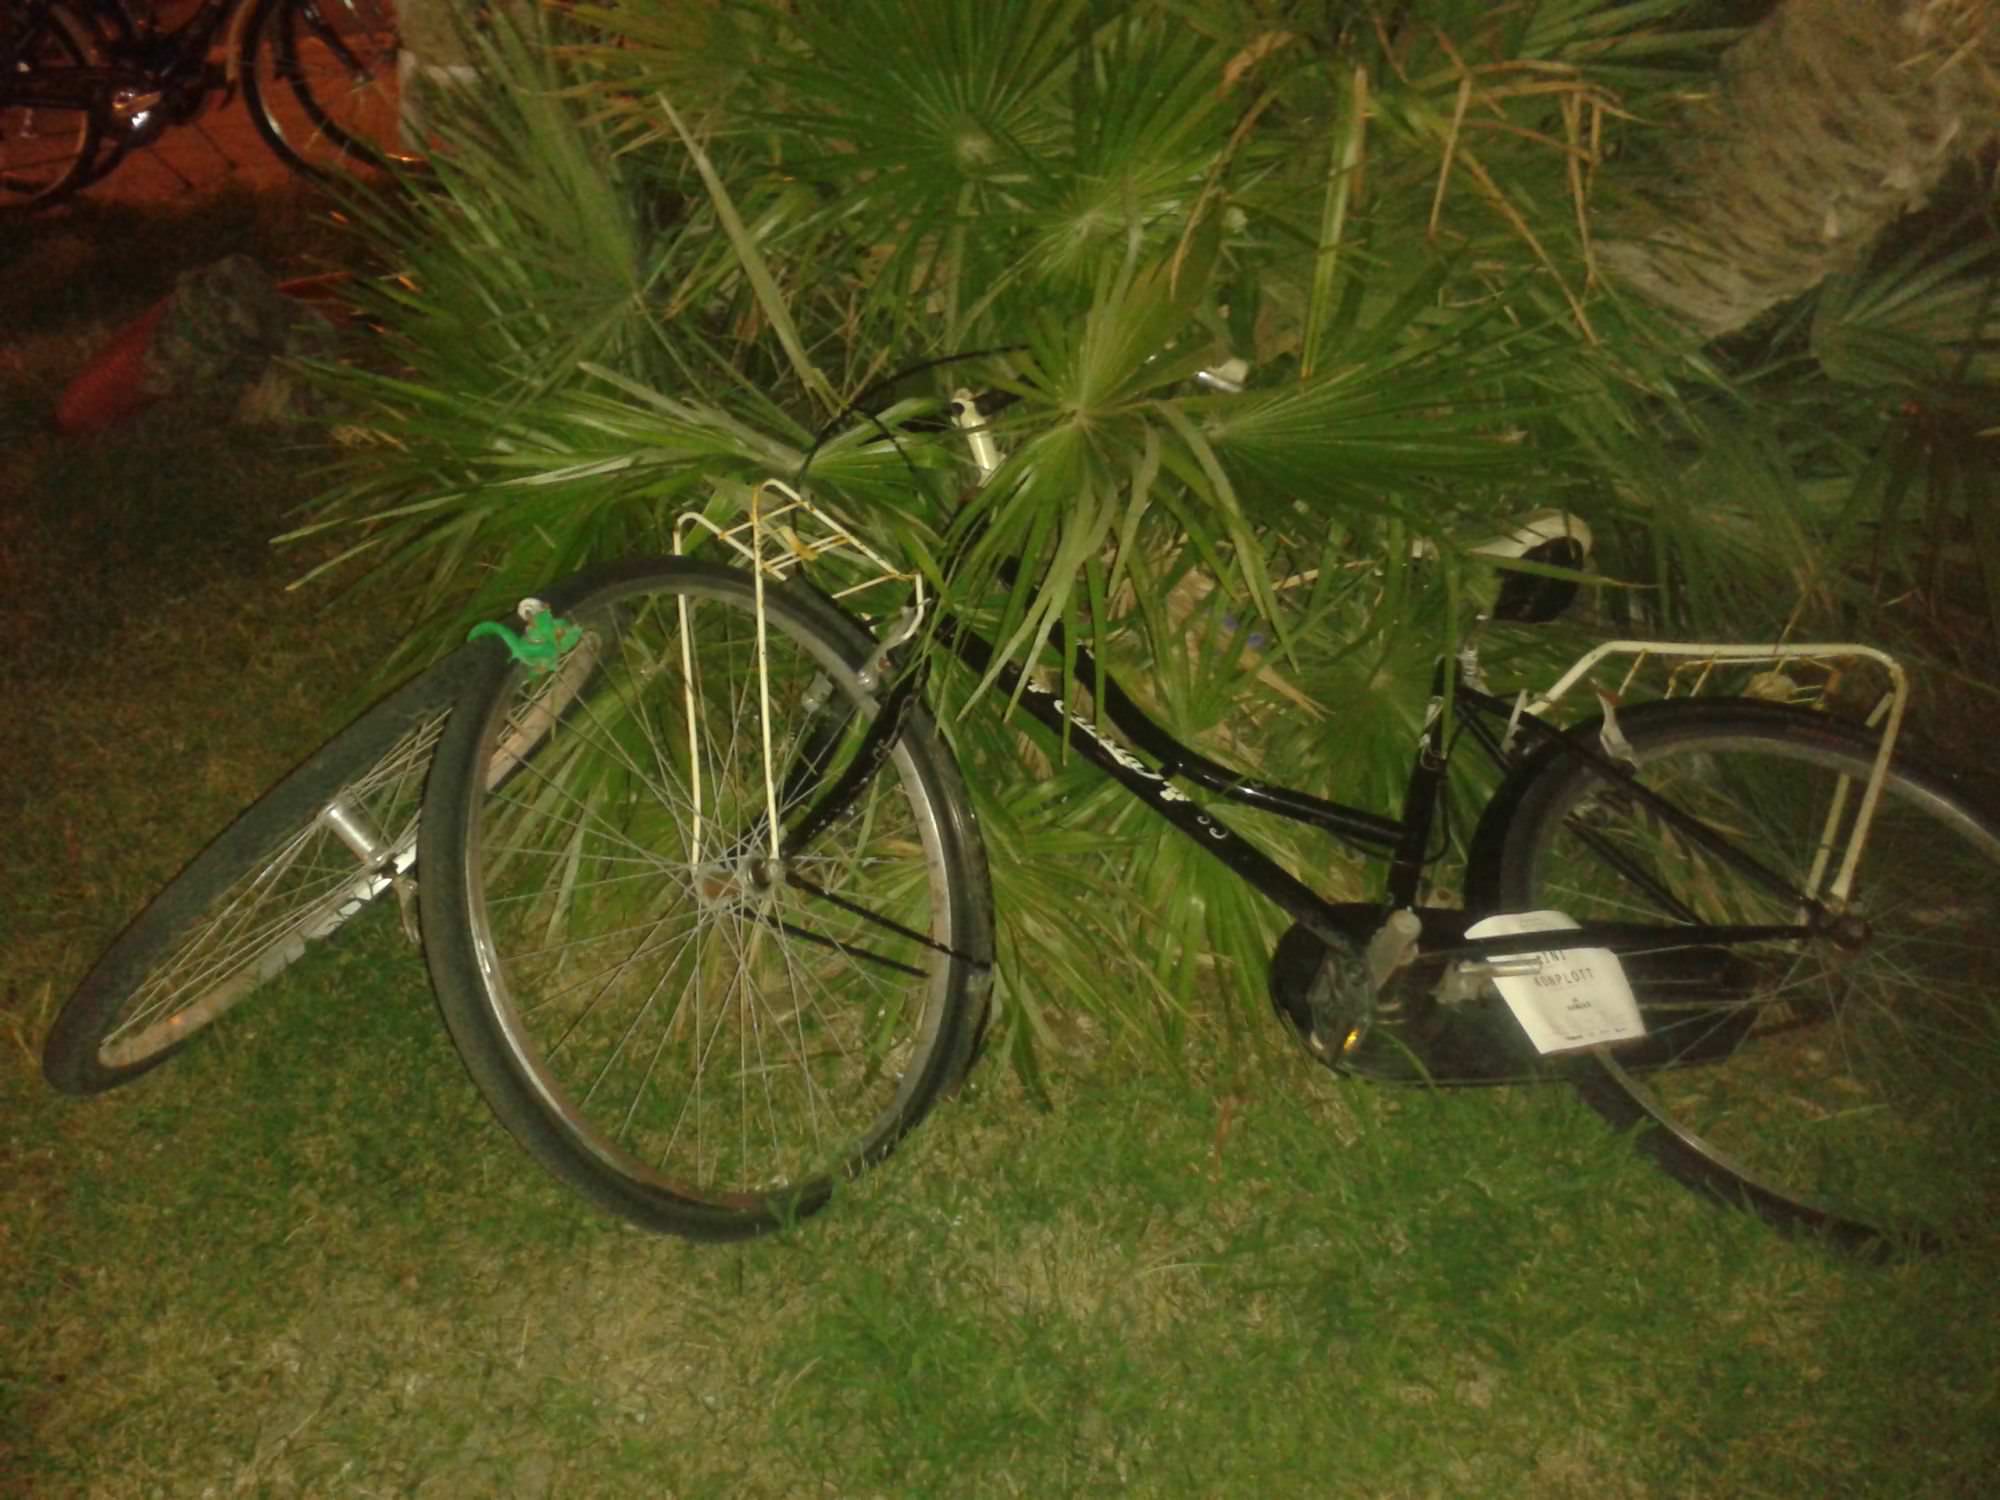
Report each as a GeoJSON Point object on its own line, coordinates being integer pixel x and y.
{"type": "Point", "coordinates": [1167, 791]}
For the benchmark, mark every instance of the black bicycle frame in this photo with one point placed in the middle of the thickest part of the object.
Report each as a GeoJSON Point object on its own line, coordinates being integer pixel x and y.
{"type": "Point", "coordinates": [1405, 839]}
{"type": "Point", "coordinates": [1155, 786]}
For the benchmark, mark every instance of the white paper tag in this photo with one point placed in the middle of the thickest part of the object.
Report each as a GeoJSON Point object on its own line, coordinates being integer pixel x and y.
{"type": "Point", "coordinates": [1564, 998]}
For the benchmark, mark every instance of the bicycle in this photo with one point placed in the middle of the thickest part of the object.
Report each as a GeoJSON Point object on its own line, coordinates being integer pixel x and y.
{"type": "Point", "coordinates": [730, 936]}
{"type": "Point", "coordinates": [699, 814]}
{"type": "Point", "coordinates": [84, 83]}
{"type": "Point", "coordinates": [326, 842]}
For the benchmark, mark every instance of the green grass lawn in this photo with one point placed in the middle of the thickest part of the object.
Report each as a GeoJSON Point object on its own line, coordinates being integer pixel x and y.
{"type": "Point", "coordinates": [301, 1260]}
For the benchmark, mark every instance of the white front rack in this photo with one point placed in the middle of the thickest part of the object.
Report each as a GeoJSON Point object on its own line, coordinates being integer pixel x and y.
{"type": "Point", "coordinates": [781, 531]}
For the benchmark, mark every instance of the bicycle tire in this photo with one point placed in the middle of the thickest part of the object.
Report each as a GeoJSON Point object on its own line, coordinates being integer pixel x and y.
{"type": "Point", "coordinates": [321, 80]}
{"type": "Point", "coordinates": [1842, 1090]}
{"type": "Point", "coordinates": [47, 151]}
{"type": "Point", "coordinates": [618, 965]}
{"type": "Point", "coordinates": [277, 880]}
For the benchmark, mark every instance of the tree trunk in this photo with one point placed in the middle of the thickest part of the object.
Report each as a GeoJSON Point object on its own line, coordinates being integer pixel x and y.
{"type": "Point", "coordinates": [1831, 119]}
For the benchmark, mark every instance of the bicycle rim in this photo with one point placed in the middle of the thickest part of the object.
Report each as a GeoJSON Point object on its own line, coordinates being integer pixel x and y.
{"type": "Point", "coordinates": [309, 885]}
{"type": "Point", "coordinates": [700, 1035]}
{"type": "Point", "coordinates": [1840, 1086]}
{"type": "Point", "coordinates": [298, 865]}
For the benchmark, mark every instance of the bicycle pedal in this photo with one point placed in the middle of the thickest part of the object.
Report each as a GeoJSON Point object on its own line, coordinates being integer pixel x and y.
{"type": "Point", "coordinates": [1450, 1047]}
{"type": "Point", "coordinates": [133, 109]}
{"type": "Point", "coordinates": [1298, 991]}
{"type": "Point", "coordinates": [405, 887]}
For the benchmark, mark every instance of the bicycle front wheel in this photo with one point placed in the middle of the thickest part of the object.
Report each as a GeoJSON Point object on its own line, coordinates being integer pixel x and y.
{"type": "Point", "coordinates": [321, 81]}
{"type": "Point", "coordinates": [698, 1031]}
{"type": "Point", "coordinates": [49, 131]}
{"type": "Point", "coordinates": [294, 869]}
{"type": "Point", "coordinates": [1842, 1086]}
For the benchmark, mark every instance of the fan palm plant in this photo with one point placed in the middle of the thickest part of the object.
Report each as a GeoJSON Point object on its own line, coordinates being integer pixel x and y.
{"type": "Point", "coordinates": [675, 249]}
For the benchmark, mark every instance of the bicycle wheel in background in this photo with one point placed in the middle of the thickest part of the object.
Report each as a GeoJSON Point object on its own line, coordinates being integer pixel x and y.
{"type": "Point", "coordinates": [321, 82]}
{"type": "Point", "coordinates": [1843, 1087]}
{"type": "Point", "coordinates": [49, 133]}
{"type": "Point", "coordinates": [291, 871]}
{"type": "Point", "coordinates": [695, 1036]}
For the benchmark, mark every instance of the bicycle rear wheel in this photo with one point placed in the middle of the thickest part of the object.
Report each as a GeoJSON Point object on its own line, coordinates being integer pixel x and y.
{"type": "Point", "coordinates": [49, 132]}
{"type": "Point", "coordinates": [295, 868]}
{"type": "Point", "coordinates": [694, 1035]}
{"type": "Point", "coordinates": [1844, 1086]}
{"type": "Point", "coordinates": [321, 82]}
